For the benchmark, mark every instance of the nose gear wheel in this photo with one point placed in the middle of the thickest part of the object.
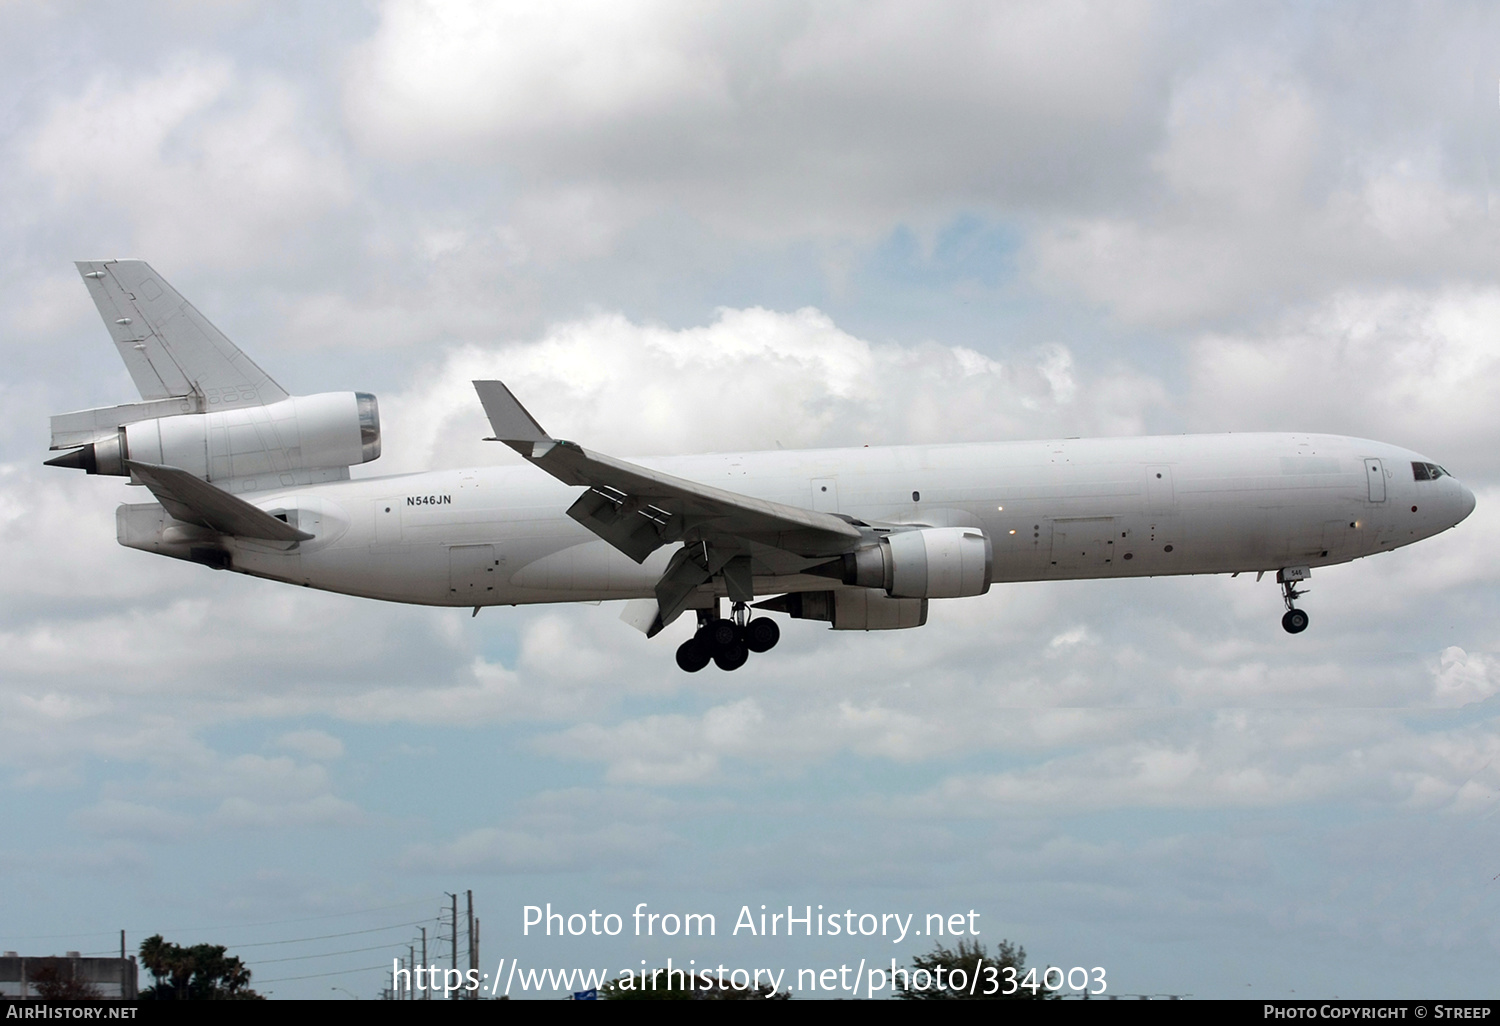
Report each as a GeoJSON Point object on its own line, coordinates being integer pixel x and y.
{"type": "Point", "coordinates": [1295, 620]}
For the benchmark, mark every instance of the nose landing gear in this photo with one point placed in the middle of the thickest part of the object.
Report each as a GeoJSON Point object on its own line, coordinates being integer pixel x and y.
{"type": "Point", "coordinates": [727, 643]}
{"type": "Point", "coordinates": [1295, 620]}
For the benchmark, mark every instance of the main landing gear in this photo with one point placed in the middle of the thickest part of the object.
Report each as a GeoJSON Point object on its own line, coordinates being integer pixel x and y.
{"type": "Point", "coordinates": [1295, 620]}
{"type": "Point", "coordinates": [727, 643]}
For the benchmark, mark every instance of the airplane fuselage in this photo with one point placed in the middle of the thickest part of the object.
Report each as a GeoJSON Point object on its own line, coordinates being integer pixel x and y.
{"type": "Point", "coordinates": [1068, 509]}
{"type": "Point", "coordinates": [250, 478]}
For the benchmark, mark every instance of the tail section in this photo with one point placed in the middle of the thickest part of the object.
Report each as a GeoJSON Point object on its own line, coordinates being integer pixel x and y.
{"type": "Point", "coordinates": [207, 410]}
{"type": "Point", "coordinates": [170, 349]}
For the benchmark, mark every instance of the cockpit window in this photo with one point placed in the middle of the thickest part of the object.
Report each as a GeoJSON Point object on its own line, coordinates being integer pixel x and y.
{"type": "Point", "coordinates": [1427, 471]}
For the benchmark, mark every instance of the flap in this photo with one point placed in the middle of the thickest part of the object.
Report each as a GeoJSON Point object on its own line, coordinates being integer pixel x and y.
{"type": "Point", "coordinates": [638, 510]}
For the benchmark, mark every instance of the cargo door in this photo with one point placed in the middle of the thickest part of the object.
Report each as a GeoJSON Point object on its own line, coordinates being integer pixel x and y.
{"type": "Point", "coordinates": [471, 573]}
{"type": "Point", "coordinates": [1339, 537]}
{"type": "Point", "coordinates": [1083, 545]}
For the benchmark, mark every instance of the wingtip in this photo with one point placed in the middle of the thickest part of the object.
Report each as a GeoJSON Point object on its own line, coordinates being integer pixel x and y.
{"type": "Point", "coordinates": [509, 419]}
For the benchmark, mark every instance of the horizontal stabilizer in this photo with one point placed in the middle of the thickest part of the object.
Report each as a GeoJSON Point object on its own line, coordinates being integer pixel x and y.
{"type": "Point", "coordinates": [194, 501]}
{"type": "Point", "coordinates": [85, 426]}
{"type": "Point", "coordinates": [169, 347]}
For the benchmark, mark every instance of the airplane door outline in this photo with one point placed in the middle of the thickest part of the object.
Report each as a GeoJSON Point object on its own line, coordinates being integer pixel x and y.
{"type": "Point", "coordinates": [1160, 496]}
{"type": "Point", "coordinates": [825, 494]}
{"type": "Point", "coordinates": [471, 570]}
{"type": "Point", "coordinates": [388, 521]}
{"type": "Point", "coordinates": [1375, 474]}
{"type": "Point", "coordinates": [1083, 542]}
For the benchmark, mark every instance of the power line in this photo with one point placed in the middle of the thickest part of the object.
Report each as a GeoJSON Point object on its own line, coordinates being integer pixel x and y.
{"type": "Point", "coordinates": [327, 936]}
{"type": "Point", "coordinates": [325, 954]}
{"type": "Point", "coordinates": [302, 919]}
{"type": "Point", "coordinates": [57, 936]}
{"type": "Point", "coordinates": [440, 918]}
{"type": "Point", "coordinates": [314, 976]}
{"type": "Point", "coordinates": [236, 926]}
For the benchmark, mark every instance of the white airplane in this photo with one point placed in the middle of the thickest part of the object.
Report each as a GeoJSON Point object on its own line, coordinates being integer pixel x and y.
{"type": "Point", "coordinates": [251, 479]}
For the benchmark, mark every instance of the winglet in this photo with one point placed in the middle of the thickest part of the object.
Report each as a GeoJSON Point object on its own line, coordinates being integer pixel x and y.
{"type": "Point", "coordinates": [512, 424]}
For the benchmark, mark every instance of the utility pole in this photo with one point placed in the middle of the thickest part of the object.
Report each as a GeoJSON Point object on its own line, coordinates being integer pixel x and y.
{"type": "Point", "coordinates": [475, 958]}
{"type": "Point", "coordinates": [454, 935]}
{"type": "Point", "coordinates": [426, 994]}
{"type": "Point", "coordinates": [411, 963]}
{"type": "Point", "coordinates": [471, 994]}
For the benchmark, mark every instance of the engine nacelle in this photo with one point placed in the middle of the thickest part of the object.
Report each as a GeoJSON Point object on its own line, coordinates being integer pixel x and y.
{"type": "Point", "coordinates": [296, 441]}
{"type": "Point", "coordinates": [852, 609]}
{"type": "Point", "coordinates": [932, 562]}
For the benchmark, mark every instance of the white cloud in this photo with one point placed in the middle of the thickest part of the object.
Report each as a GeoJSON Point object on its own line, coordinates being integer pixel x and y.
{"type": "Point", "coordinates": [1240, 136]}
{"type": "Point", "coordinates": [325, 810]}
{"type": "Point", "coordinates": [1261, 199]}
{"type": "Point", "coordinates": [1408, 366]}
{"type": "Point", "coordinates": [1073, 636]}
{"type": "Point", "coordinates": [203, 164]}
{"type": "Point", "coordinates": [547, 850]}
{"type": "Point", "coordinates": [759, 118]}
{"type": "Point", "coordinates": [1462, 678]}
{"type": "Point", "coordinates": [114, 817]}
{"type": "Point", "coordinates": [469, 71]}
{"type": "Point", "coordinates": [798, 381]}
{"type": "Point", "coordinates": [555, 831]}
{"type": "Point", "coordinates": [1237, 758]}
{"type": "Point", "coordinates": [312, 744]}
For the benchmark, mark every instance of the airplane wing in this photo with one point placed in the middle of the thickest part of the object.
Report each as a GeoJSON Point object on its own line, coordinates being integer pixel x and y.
{"type": "Point", "coordinates": [194, 501]}
{"type": "Point", "coordinates": [169, 347]}
{"type": "Point", "coordinates": [638, 510]}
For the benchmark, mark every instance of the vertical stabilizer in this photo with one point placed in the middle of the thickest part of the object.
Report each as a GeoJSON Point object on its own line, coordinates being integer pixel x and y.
{"type": "Point", "coordinates": [169, 347]}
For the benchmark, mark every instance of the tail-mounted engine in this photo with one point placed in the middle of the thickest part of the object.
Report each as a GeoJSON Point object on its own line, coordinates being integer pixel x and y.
{"type": "Point", "coordinates": [299, 440]}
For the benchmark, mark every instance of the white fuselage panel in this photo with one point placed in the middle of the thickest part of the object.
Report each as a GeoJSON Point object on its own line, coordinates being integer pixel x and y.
{"type": "Point", "coordinates": [1079, 508]}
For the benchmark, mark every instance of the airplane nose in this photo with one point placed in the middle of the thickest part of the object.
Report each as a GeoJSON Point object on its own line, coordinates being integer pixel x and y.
{"type": "Point", "coordinates": [1465, 503]}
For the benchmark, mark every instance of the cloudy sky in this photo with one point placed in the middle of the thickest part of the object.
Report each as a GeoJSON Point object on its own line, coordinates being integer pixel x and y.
{"type": "Point", "coordinates": [691, 227]}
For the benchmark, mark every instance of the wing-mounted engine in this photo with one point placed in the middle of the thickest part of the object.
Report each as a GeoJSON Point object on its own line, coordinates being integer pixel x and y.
{"type": "Point", "coordinates": [300, 440]}
{"type": "Point", "coordinates": [930, 562]}
{"type": "Point", "coordinates": [851, 609]}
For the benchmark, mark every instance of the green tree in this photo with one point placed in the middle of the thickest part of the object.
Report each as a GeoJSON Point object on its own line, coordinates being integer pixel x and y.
{"type": "Point", "coordinates": [52, 985]}
{"type": "Point", "coordinates": [202, 972]}
{"type": "Point", "coordinates": [970, 972]}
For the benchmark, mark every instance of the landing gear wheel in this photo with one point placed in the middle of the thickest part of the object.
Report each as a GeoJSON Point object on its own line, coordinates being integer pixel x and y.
{"type": "Point", "coordinates": [761, 634]}
{"type": "Point", "coordinates": [693, 654]}
{"type": "Point", "coordinates": [721, 635]}
{"type": "Point", "coordinates": [731, 658]}
{"type": "Point", "coordinates": [1295, 620]}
